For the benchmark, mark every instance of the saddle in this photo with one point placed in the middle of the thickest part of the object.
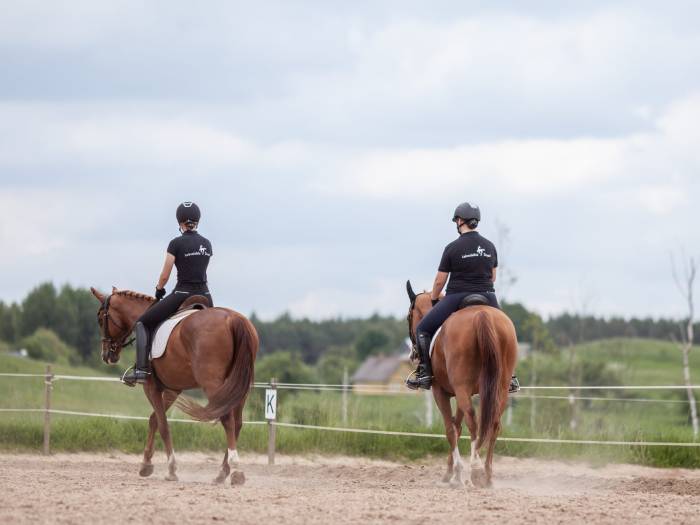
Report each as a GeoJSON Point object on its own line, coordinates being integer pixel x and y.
{"type": "Point", "coordinates": [196, 302]}
{"type": "Point", "coordinates": [475, 299]}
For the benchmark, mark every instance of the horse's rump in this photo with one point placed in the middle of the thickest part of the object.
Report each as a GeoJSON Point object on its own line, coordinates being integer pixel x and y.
{"type": "Point", "coordinates": [239, 375]}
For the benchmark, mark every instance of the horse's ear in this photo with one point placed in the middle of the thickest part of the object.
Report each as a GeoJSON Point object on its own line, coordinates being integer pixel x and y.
{"type": "Point", "coordinates": [114, 289]}
{"type": "Point", "coordinates": [98, 295]}
{"type": "Point", "coordinates": [411, 293]}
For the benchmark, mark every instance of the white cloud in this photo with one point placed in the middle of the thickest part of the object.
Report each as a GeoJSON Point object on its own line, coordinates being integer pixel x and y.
{"type": "Point", "coordinates": [534, 167]}
{"type": "Point", "coordinates": [306, 135]}
{"type": "Point", "coordinates": [99, 135]}
{"type": "Point", "coordinates": [39, 223]}
{"type": "Point", "coordinates": [529, 167]}
{"type": "Point", "coordinates": [661, 200]}
{"type": "Point", "coordinates": [381, 296]}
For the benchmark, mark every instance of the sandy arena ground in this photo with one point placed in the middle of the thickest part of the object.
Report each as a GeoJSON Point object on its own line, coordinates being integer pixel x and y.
{"type": "Point", "coordinates": [89, 488]}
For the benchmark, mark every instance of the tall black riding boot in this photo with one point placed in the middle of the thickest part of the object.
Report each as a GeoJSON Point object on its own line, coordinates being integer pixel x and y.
{"type": "Point", "coordinates": [142, 370]}
{"type": "Point", "coordinates": [423, 376]}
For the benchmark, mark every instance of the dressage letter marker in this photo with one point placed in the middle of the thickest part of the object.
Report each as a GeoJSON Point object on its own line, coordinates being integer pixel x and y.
{"type": "Point", "coordinates": [271, 403]}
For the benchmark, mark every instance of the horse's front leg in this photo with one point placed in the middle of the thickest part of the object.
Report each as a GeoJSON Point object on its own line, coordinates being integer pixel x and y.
{"type": "Point", "coordinates": [169, 397]}
{"type": "Point", "coordinates": [156, 399]}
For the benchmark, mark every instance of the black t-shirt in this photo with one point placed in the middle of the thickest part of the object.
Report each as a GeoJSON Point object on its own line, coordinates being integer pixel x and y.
{"type": "Point", "coordinates": [469, 260]}
{"type": "Point", "coordinates": [192, 253]}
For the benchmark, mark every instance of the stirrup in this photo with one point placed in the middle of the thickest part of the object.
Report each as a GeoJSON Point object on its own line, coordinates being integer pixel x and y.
{"type": "Point", "coordinates": [514, 385]}
{"type": "Point", "coordinates": [415, 382]}
{"type": "Point", "coordinates": [136, 376]}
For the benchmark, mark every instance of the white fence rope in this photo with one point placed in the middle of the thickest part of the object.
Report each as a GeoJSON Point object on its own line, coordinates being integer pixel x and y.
{"type": "Point", "coordinates": [111, 416]}
{"type": "Point", "coordinates": [376, 432]}
{"type": "Point", "coordinates": [387, 388]}
{"type": "Point", "coordinates": [623, 399]}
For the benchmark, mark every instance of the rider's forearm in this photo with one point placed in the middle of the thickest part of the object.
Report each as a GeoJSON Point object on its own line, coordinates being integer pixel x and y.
{"type": "Point", "coordinates": [163, 280]}
{"type": "Point", "coordinates": [438, 285]}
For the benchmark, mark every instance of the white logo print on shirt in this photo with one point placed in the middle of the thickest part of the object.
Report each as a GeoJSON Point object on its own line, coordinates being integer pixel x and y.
{"type": "Point", "coordinates": [480, 252]}
{"type": "Point", "coordinates": [202, 251]}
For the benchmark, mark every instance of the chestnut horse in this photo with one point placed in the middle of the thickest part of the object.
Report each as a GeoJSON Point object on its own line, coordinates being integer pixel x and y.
{"type": "Point", "coordinates": [214, 349]}
{"type": "Point", "coordinates": [474, 353]}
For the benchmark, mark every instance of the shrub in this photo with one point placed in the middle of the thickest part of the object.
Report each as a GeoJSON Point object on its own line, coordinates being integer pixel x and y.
{"type": "Point", "coordinates": [45, 345]}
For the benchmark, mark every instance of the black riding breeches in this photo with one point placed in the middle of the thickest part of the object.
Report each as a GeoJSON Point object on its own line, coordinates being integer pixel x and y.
{"type": "Point", "coordinates": [446, 307]}
{"type": "Point", "coordinates": [168, 305]}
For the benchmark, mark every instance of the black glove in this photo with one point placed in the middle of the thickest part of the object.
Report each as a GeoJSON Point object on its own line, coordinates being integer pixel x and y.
{"type": "Point", "coordinates": [160, 293]}
{"type": "Point", "coordinates": [434, 301]}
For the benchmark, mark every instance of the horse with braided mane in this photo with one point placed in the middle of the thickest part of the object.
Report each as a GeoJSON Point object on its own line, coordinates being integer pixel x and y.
{"type": "Point", "coordinates": [213, 349]}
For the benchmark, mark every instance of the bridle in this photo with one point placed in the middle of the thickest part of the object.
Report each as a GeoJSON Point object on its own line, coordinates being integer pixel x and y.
{"type": "Point", "coordinates": [409, 318]}
{"type": "Point", "coordinates": [113, 344]}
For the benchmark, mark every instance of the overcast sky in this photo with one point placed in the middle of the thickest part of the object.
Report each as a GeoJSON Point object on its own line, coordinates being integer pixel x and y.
{"type": "Point", "coordinates": [327, 144]}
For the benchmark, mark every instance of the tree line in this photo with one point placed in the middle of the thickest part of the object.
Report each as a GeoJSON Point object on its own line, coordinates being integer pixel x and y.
{"type": "Point", "coordinates": [61, 323]}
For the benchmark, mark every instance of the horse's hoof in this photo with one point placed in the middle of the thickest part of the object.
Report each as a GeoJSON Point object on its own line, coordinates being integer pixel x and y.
{"type": "Point", "coordinates": [457, 484]}
{"type": "Point", "coordinates": [171, 477]}
{"type": "Point", "coordinates": [220, 478]}
{"type": "Point", "coordinates": [146, 470]}
{"type": "Point", "coordinates": [480, 479]}
{"type": "Point", "coordinates": [237, 478]}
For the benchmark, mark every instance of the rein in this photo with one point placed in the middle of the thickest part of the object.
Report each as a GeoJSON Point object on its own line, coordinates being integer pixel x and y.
{"type": "Point", "coordinates": [409, 318]}
{"type": "Point", "coordinates": [106, 337]}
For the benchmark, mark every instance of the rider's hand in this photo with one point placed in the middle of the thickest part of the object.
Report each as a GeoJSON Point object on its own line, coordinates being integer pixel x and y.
{"type": "Point", "coordinates": [160, 293]}
{"type": "Point", "coordinates": [434, 301]}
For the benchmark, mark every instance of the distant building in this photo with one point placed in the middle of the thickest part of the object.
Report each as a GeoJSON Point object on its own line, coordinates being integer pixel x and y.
{"type": "Point", "coordinates": [389, 372]}
{"type": "Point", "coordinates": [524, 350]}
{"type": "Point", "coordinates": [384, 371]}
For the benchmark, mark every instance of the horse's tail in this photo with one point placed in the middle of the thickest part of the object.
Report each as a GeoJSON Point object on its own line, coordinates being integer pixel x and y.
{"type": "Point", "coordinates": [489, 377]}
{"type": "Point", "coordinates": [235, 387]}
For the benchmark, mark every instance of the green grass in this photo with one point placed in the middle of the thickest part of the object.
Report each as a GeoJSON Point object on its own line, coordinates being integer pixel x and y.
{"type": "Point", "coordinates": [642, 361]}
{"type": "Point", "coordinates": [637, 362]}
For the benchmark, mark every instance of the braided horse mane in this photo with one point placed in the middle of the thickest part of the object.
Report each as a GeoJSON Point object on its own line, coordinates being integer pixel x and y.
{"type": "Point", "coordinates": [134, 295]}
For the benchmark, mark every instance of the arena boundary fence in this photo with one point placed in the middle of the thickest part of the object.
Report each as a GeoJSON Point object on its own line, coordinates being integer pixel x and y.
{"type": "Point", "coordinates": [50, 379]}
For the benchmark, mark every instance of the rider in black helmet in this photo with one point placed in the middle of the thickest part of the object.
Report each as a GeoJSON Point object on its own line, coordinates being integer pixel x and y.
{"type": "Point", "coordinates": [190, 254]}
{"type": "Point", "coordinates": [470, 262]}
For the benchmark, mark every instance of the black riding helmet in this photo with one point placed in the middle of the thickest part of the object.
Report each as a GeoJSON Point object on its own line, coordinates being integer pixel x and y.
{"type": "Point", "coordinates": [467, 212]}
{"type": "Point", "coordinates": [188, 212]}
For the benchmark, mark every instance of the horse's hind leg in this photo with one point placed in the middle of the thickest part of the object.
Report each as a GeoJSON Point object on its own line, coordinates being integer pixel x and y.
{"type": "Point", "coordinates": [232, 426]}
{"type": "Point", "coordinates": [464, 401]}
{"type": "Point", "coordinates": [488, 464]}
{"type": "Point", "coordinates": [169, 398]}
{"type": "Point", "coordinates": [452, 432]}
{"type": "Point", "coordinates": [492, 441]}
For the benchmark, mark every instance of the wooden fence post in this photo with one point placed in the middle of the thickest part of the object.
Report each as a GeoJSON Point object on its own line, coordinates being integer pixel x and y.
{"type": "Point", "coordinates": [271, 427]}
{"type": "Point", "coordinates": [48, 380]}
{"type": "Point", "coordinates": [345, 397]}
{"type": "Point", "coordinates": [428, 408]}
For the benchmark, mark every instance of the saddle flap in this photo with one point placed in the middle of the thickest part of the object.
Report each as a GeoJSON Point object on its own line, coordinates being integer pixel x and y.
{"type": "Point", "coordinates": [475, 299]}
{"type": "Point", "coordinates": [162, 333]}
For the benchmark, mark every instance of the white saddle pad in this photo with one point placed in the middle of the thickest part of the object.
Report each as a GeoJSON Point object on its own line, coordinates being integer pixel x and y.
{"type": "Point", "coordinates": [432, 342]}
{"type": "Point", "coordinates": [160, 339]}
